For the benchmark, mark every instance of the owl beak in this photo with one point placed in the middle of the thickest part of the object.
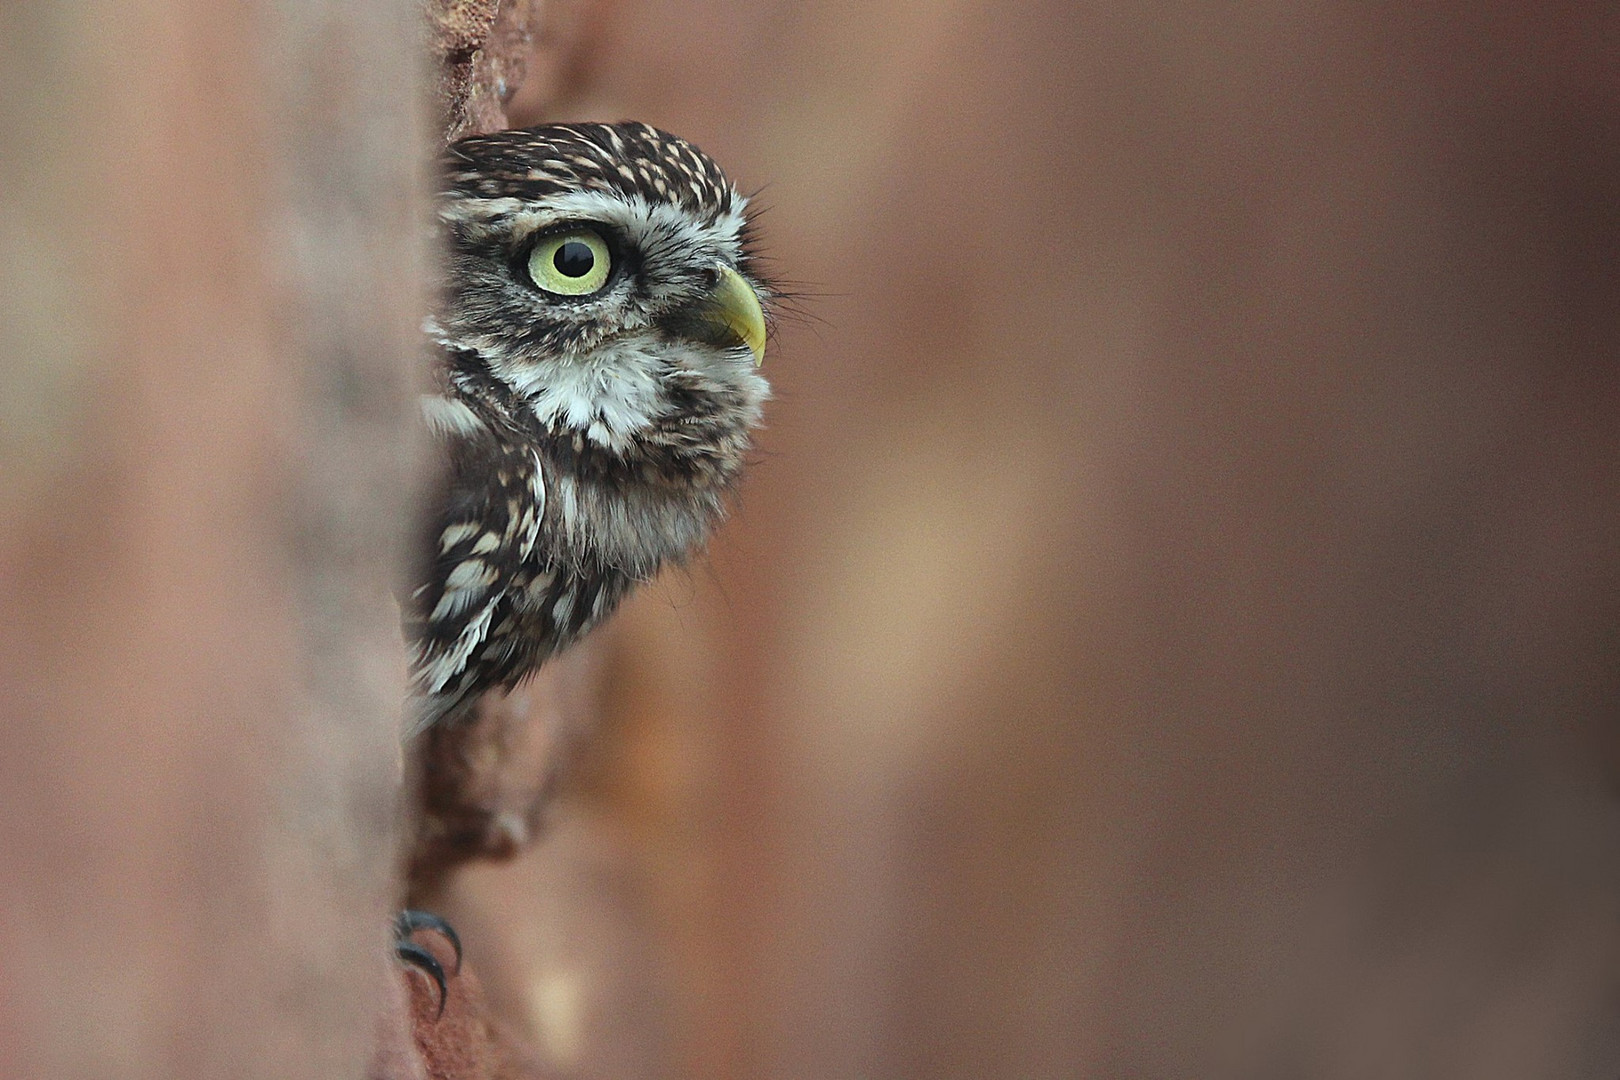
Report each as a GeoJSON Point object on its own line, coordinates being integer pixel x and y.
{"type": "Point", "coordinates": [734, 306]}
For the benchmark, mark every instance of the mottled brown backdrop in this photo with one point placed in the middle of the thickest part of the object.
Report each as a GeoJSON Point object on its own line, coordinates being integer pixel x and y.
{"type": "Point", "coordinates": [1171, 629]}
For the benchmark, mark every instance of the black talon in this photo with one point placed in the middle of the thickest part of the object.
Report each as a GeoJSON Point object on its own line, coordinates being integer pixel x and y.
{"type": "Point", "coordinates": [408, 922]}
{"type": "Point", "coordinates": [416, 956]}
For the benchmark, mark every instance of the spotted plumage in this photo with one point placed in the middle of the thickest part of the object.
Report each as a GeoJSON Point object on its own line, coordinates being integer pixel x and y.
{"type": "Point", "coordinates": [599, 328]}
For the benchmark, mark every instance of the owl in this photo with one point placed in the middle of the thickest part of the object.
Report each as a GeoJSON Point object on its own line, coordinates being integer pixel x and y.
{"type": "Point", "coordinates": [599, 326]}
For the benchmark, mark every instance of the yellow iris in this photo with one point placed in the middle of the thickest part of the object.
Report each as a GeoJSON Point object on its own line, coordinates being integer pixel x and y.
{"type": "Point", "coordinates": [570, 264]}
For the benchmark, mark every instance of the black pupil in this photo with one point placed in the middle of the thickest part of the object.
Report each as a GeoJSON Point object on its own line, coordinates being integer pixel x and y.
{"type": "Point", "coordinates": [574, 259]}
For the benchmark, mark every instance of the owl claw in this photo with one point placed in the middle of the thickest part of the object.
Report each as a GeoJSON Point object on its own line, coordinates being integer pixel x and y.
{"type": "Point", "coordinates": [418, 957]}
{"type": "Point", "coordinates": [408, 922]}
{"type": "Point", "coordinates": [408, 951]}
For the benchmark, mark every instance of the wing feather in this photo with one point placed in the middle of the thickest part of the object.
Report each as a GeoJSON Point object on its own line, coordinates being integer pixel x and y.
{"type": "Point", "coordinates": [488, 516]}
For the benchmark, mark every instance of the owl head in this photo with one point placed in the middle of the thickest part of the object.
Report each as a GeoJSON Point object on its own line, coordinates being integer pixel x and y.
{"type": "Point", "coordinates": [601, 273]}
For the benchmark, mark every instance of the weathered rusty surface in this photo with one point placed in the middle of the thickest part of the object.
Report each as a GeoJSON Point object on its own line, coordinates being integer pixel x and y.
{"type": "Point", "coordinates": [486, 782]}
{"type": "Point", "coordinates": [459, 29]}
{"type": "Point", "coordinates": [482, 48]}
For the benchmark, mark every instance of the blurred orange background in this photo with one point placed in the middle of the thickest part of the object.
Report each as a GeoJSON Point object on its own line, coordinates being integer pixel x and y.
{"type": "Point", "coordinates": [1170, 629]}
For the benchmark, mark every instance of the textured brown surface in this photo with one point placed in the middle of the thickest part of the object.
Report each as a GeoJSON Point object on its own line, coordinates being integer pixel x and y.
{"type": "Point", "coordinates": [209, 294]}
{"type": "Point", "coordinates": [459, 29]}
{"type": "Point", "coordinates": [487, 781]}
{"type": "Point", "coordinates": [483, 49]}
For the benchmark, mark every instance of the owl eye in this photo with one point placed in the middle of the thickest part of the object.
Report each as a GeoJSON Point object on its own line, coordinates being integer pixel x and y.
{"type": "Point", "coordinates": [570, 264]}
